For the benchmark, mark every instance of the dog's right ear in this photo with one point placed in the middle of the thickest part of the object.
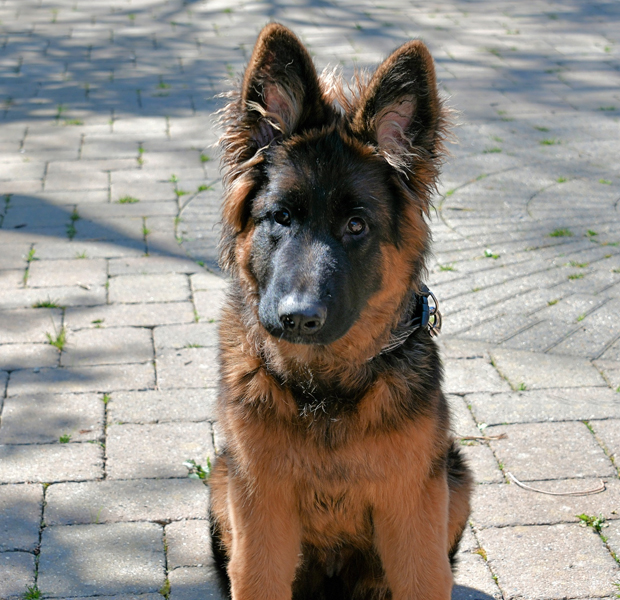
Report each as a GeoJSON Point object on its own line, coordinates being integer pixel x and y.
{"type": "Point", "coordinates": [280, 93]}
{"type": "Point", "coordinates": [279, 96]}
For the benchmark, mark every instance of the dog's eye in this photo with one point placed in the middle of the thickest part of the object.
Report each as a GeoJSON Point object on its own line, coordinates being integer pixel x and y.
{"type": "Point", "coordinates": [356, 226]}
{"type": "Point", "coordinates": [282, 217]}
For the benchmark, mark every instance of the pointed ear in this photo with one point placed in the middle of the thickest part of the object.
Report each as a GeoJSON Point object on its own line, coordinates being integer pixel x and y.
{"type": "Point", "coordinates": [400, 110]}
{"type": "Point", "coordinates": [280, 95]}
{"type": "Point", "coordinates": [280, 92]}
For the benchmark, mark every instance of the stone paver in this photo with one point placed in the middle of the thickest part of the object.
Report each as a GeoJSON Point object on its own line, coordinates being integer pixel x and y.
{"type": "Point", "coordinates": [149, 288]}
{"type": "Point", "coordinates": [186, 336]}
{"type": "Point", "coordinates": [504, 505]}
{"type": "Point", "coordinates": [540, 371]}
{"type": "Point", "coordinates": [46, 417]}
{"type": "Point", "coordinates": [99, 378]}
{"type": "Point", "coordinates": [17, 573]}
{"type": "Point", "coordinates": [557, 404]}
{"type": "Point", "coordinates": [474, 375]}
{"type": "Point", "coordinates": [20, 516]}
{"type": "Point", "coordinates": [161, 406]}
{"type": "Point", "coordinates": [137, 451]}
{"type": "Point", "coordinates": [474, 577]}
{"type": "Point", "coordinates": [533, 562]}
{"type": "Point", "coordinates": [187, 583]}
{"type": "Point", "coordinates": [110, 193]}
{"type": "Point", "coordinates": [550, 451]}
{"type": "Point", "coordinates": [50, 462]}
{"type": "Point", "coordinates": [187, 367]}
{"type": "Point", "coordinates": [55, 273]}
{"type": "Point", "coordinates": [94, 502]}
{"type": "Point", "coordinates": [24, 356]}
{"type": "Point", "coordinates": [116, 558]}
{"type": "Point", "coordinates": [188, 544]}
{"type": "Point", "coordinates": [107, 346]}
{"type": "Point", "coordinates": [130, 315]}
{"type": "Point", "coordinates": [21, 326]}
{"type": "Point", "coordinates": [608, 433]}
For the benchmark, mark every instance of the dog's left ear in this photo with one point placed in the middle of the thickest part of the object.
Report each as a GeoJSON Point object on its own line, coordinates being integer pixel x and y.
{"type": "Point", "coordinates": [400, 111]}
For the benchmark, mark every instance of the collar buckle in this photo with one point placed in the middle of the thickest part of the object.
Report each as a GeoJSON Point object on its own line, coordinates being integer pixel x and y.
{"type": "Point", "coordinates": [422, 316]}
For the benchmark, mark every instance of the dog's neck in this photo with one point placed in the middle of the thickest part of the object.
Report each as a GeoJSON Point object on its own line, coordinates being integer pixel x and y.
{"type": "Point", "coordinates": [418, 315]}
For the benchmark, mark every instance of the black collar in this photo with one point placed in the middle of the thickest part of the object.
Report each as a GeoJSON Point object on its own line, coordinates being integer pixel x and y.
{"type": "Point", "coordinates": [419, 315]}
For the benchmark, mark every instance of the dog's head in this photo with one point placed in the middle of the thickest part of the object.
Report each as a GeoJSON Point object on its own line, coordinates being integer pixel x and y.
{"type": "Point", "coordinates": [326, 195]}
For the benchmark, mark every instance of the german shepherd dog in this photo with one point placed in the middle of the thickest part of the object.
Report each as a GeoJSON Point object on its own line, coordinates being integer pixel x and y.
{"type": "Point", "coordinates": [340, 477]}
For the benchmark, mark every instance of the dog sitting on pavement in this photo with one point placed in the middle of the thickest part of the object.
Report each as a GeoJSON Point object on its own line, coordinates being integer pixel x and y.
{"type": "Point", "coordinates": [340, 477]}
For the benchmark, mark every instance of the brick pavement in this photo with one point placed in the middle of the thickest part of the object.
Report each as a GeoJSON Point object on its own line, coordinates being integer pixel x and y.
{"type": "Point", "coordinates": [109, 197]}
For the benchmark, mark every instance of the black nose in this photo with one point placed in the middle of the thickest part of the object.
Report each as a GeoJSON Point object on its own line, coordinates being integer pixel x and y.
{"type": "Point", "coordinates": [300, 316]}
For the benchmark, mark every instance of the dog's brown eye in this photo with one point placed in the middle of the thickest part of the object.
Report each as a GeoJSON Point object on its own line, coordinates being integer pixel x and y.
{"type": "Point", "coordinates": [355, 226]}
{"type": "Point", "coordinates": [282, 217]}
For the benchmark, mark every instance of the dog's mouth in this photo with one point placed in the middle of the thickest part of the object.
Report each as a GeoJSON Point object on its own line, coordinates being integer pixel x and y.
{"type": "Point", "coordinates": [312, 337]}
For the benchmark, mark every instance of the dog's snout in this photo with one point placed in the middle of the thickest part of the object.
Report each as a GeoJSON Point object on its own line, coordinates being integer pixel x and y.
{"type": "Point", "coordinates": [301, 317]}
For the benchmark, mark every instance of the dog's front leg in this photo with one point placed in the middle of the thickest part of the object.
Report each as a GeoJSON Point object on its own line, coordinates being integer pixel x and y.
{"type": "Point", "coordinates": [411, 536]}
{"type": "Point", "coordinates": [266, 539]}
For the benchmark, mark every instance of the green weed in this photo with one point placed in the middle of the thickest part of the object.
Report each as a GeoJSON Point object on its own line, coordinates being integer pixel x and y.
{"type": "Point", "coordinates": [204, 158]}
{"type": "Point", "coordinates": [490, 254]}
{"type": "Point", "coordinates": [564, 232]}
{"type": "Point", "coordinates": [494, 150]}
{"type": "Point", "coordinates": [605, 181]}
{"type": "Point", "coordinates": [128, 200]}
{"type": "Point", "coordinates": [32, 593]}
{"type": "Point", "coordinates": [58, 340]}
{"type": "Point", "coordinates": [46, 304]}
{"type": "Point", "coordinates": [561, 180]}
{"type": "Point", "coordinates": [164, 590]}
{"type": "Point", "coordinates": [446, 267]}
{"type": "Point", "coordinates": [481, 552]}
{"type": "Point", "coordinates": [597, 523]}
{"type": "Point", "coordinates": [576, 276]}
{"type": "Point", "coordinates": [196, 471]}
{"type": "Point", "coordinates": [65, 438]}
{"type": "Point", "coordinates": [552, 302]}
{"type": "Point", "coordinates": [549, 142]}
{"type": "Point", "coordinates": [71, 230]}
